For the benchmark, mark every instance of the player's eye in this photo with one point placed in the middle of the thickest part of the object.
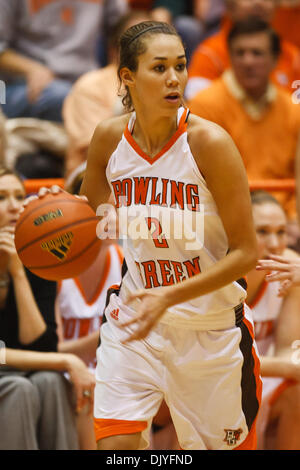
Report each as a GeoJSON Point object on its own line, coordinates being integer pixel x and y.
{"type": "Point", "coordinates": [160, 68]}
{"type": "Point", "coordinates": [181, 66]}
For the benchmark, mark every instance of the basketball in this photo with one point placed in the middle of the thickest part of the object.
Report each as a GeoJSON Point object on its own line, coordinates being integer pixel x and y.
{"type": "Point", "coordinates": [56, 237]}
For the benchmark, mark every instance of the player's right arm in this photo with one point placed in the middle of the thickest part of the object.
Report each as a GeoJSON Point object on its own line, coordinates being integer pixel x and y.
{"type": "Point", "coordinates": [104, 141]}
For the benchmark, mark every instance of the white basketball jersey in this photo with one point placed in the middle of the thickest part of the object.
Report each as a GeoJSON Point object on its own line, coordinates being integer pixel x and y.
{"type": "Point", "coordinates": [170, 226]}
{"type": "Point", "coordinates": [81, 317]}
{"type": "Point", "coordinates": [265, 310]}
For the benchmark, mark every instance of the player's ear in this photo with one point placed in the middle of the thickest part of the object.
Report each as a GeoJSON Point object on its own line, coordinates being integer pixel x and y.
{"type": "Point", "coordinates": [127, 77]}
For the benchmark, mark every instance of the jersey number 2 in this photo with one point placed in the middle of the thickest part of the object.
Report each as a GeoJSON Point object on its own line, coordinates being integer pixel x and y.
{"type": "Point", "coordinates": [159, 239]}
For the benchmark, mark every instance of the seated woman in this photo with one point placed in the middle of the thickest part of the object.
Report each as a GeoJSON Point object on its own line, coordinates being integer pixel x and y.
{"type": "Point", "coordinates": [36, 408]}
{"type": "Point", "coordinates": [277, 326]}
{"type": "Point", "coordinates": [80, 305]}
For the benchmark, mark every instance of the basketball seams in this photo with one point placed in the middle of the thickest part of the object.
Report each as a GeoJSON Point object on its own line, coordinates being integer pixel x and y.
{"type": "Point", "coordinates": [55, 231]}
{"type": "Point", "coordinates": [41, 206]}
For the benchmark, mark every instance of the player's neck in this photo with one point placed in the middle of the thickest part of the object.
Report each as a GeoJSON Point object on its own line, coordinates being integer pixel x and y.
{"type": "Point", "coordinates": [153, 133]}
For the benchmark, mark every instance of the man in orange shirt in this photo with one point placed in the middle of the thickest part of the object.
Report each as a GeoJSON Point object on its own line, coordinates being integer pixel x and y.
{"type": "Point", "coordinates": [260, 116]}
{"type": "Point", "coordinates": [211, 57]}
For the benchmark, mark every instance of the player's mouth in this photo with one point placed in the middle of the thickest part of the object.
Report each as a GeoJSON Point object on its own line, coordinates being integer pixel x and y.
{"type": "Point", "coordinates": [173, 98]}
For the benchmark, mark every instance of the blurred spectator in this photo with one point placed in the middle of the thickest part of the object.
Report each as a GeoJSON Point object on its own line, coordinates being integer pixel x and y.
{"type": "Point", "coordinates": [276, 328]}
{"type": "Point", "coordinates": [211, 58]}
{"type": "Point", "coordinates": [35, 147]}
{"type": "Point", "coordinates": [36, 410]}
{"type": "Point", "coordinates": [193, 19]}
{"type": "Point", "coordinates": [94, 97]}
{"type": "Point", "coordinates": [44, 47]}
{"type": "Point", "coordinates": [287, 20]}
{"type": "Point", "coordinates": [2, 138]}
{"type": "Point", "coordinates": [260, 116]}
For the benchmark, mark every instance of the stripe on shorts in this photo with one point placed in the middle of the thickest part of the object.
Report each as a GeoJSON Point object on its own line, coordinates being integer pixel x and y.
{"type": "Point", "coordinates": [250, 382]}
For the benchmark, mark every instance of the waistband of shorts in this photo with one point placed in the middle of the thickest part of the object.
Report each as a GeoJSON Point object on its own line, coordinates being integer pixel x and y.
{"type": "Point", "coordinates": [222, 320]}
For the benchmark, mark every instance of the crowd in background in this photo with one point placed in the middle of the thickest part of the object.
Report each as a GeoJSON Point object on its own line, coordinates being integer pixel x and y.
{"type": "Point", "coordinates": [58, 61]}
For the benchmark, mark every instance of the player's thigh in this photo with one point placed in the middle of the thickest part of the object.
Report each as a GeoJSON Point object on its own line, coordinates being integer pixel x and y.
{"type": "Point", "coordinates": [213, 392]}
{"type": "Point", "coordinates": [128, 389]}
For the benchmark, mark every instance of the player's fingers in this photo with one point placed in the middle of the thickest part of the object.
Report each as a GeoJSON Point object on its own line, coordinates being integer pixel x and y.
{"type": "Point", "coordinates": [130, 322]}
{"type": "Point", "coordinates": [84, 198]}
{"type": "Point", "coordinates": [137, 335]}
{"type": "Point", "coordinates": [55, 189]}
{"type": "Point", "coordinates": [136, 295]}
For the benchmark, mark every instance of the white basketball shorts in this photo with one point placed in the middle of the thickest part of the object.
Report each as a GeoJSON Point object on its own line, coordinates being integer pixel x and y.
{"type": "Point", "coordinates": [209, 379]}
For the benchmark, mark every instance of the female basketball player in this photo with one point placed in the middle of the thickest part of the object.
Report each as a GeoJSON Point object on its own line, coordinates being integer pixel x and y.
{"type": "Point", "coordinates": [189, 342]}
{"type": "Point", "coordinates": [277, 326]}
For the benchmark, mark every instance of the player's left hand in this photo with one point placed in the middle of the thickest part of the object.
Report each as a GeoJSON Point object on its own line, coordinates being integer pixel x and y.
{"type": "Point", "coordinates": [151, 307]}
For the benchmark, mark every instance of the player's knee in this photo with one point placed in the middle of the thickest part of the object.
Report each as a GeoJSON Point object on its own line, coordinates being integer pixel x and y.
{"type": "Point", "coordinates": [120, 442]}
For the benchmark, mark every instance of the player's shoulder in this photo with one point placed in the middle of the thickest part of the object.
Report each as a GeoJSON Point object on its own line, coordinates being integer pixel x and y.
{"type": "Point", "coordinates": [109, 132]}
{"type": "Point", "coordinates": [212, 147]}
{"type": "Point", "coordinates": [204, 133]}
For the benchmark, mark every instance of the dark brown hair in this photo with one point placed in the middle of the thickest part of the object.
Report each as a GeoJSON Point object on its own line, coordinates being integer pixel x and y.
{"type": "Point", "coordinates": [132, 45]}
{"type": "Point", "coordinates": [253, 25]}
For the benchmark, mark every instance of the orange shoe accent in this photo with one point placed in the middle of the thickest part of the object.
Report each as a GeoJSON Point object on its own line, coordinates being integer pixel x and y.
{"type": "Point", "coordinates": [114, 427]}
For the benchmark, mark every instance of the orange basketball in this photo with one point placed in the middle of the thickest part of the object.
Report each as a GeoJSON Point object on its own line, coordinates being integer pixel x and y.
{"type": "Point", "coordinates": [56, 237]}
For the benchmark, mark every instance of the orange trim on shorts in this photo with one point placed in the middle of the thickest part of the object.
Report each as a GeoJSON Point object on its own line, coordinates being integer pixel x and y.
{"type": "Point", "coordinates": [280, 389]}
{"type": "Point", "coordinates": [114, 427]}
{"type": "Point", "coordinates": [250, 443]}
{"type": "Point", "coordinates": [256, 363]}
